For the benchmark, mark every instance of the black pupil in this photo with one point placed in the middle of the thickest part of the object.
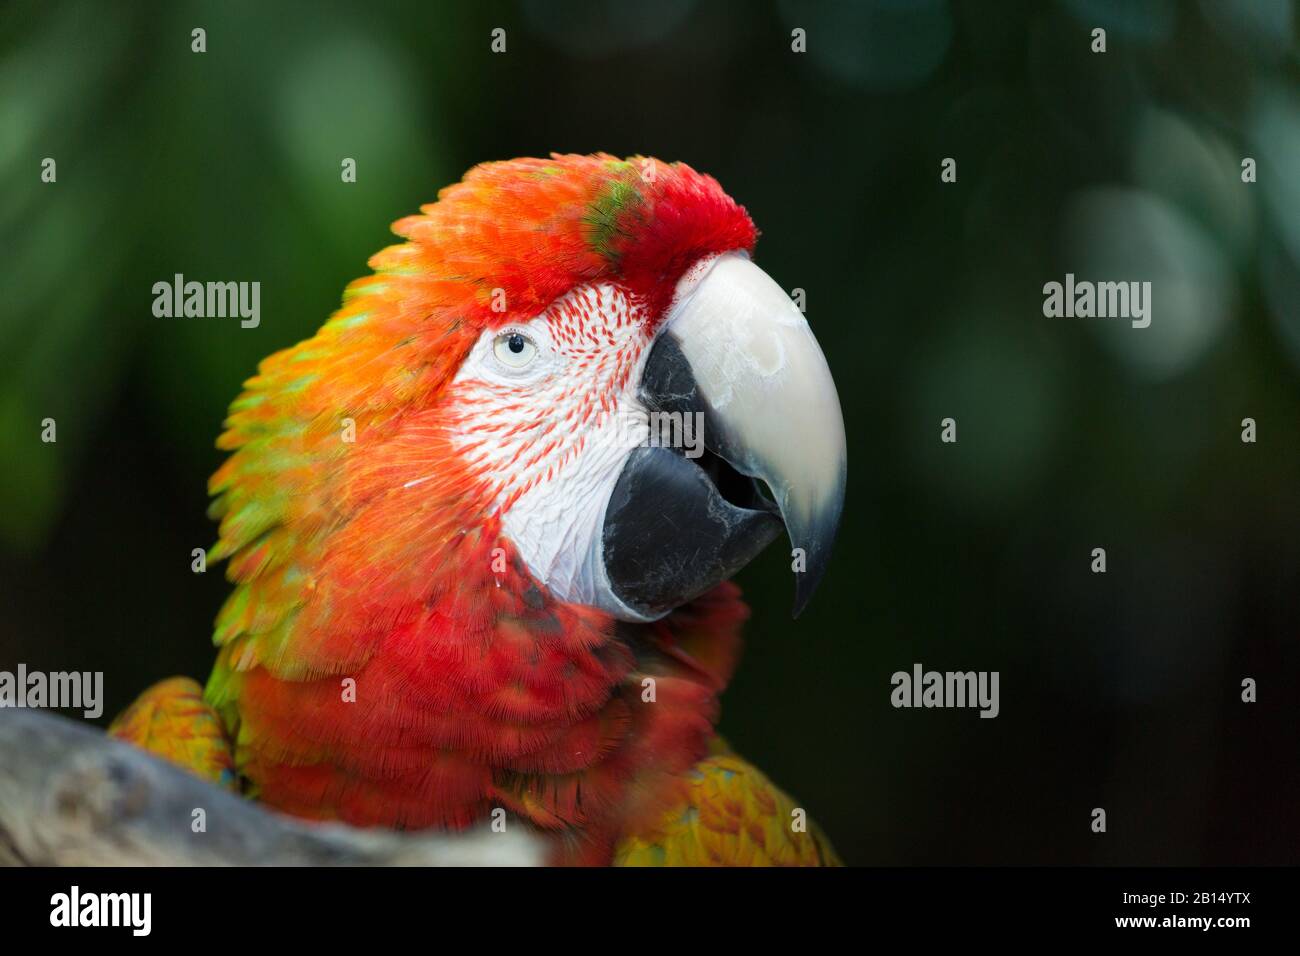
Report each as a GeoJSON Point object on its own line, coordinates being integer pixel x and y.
{"type": "Point", "coordinates": [515, 343]}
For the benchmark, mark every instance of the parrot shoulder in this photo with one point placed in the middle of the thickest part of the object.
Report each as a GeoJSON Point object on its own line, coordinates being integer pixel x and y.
{"type": "Point", "coordinates": [732, 815]}
{"type": "Point", "coordinates": [171, 720]}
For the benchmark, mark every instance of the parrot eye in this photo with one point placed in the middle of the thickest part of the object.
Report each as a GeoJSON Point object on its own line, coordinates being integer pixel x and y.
{"type": "Point", "coordinates": [514, 349]}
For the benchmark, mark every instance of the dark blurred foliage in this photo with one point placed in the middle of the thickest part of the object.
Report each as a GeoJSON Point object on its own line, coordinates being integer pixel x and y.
{"type": "Point", "coordinates": [1118, 690]}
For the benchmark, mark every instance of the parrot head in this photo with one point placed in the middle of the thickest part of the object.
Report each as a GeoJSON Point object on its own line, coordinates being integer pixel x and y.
{"type": "Point", "coordinates": [457, 494]}
{"type": "Point", "coordinates": [618, 315]}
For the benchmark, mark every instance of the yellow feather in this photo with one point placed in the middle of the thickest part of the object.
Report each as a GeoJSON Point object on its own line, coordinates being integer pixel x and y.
{"type": "Point", "coordinates": [732, 816]}
{"type": "Point", "coordinates": [172, 721]}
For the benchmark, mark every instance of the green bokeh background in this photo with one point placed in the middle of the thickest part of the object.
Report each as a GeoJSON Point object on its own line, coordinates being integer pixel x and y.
{"type": "Point", "coordinates": [1118, 691]}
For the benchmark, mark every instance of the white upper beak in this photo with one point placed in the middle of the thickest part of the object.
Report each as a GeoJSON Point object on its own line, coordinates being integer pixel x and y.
{"type": "Point", "coordinates": [772, 411]}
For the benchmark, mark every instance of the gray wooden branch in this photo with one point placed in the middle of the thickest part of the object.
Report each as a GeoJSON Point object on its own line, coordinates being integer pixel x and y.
{"type": "Point", "coordinates": [69, 795]}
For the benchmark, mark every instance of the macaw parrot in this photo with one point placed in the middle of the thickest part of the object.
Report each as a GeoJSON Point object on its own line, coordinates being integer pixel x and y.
{"type": "Point", "coordinates": [468, 579]}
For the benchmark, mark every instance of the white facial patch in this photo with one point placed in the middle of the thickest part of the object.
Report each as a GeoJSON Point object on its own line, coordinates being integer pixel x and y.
{"type": "Point", "coordinates": [548, 420]}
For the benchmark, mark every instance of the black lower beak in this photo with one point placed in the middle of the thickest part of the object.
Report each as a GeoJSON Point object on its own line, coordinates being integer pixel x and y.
{"type": "Point", "coordinates": [675, 527]}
